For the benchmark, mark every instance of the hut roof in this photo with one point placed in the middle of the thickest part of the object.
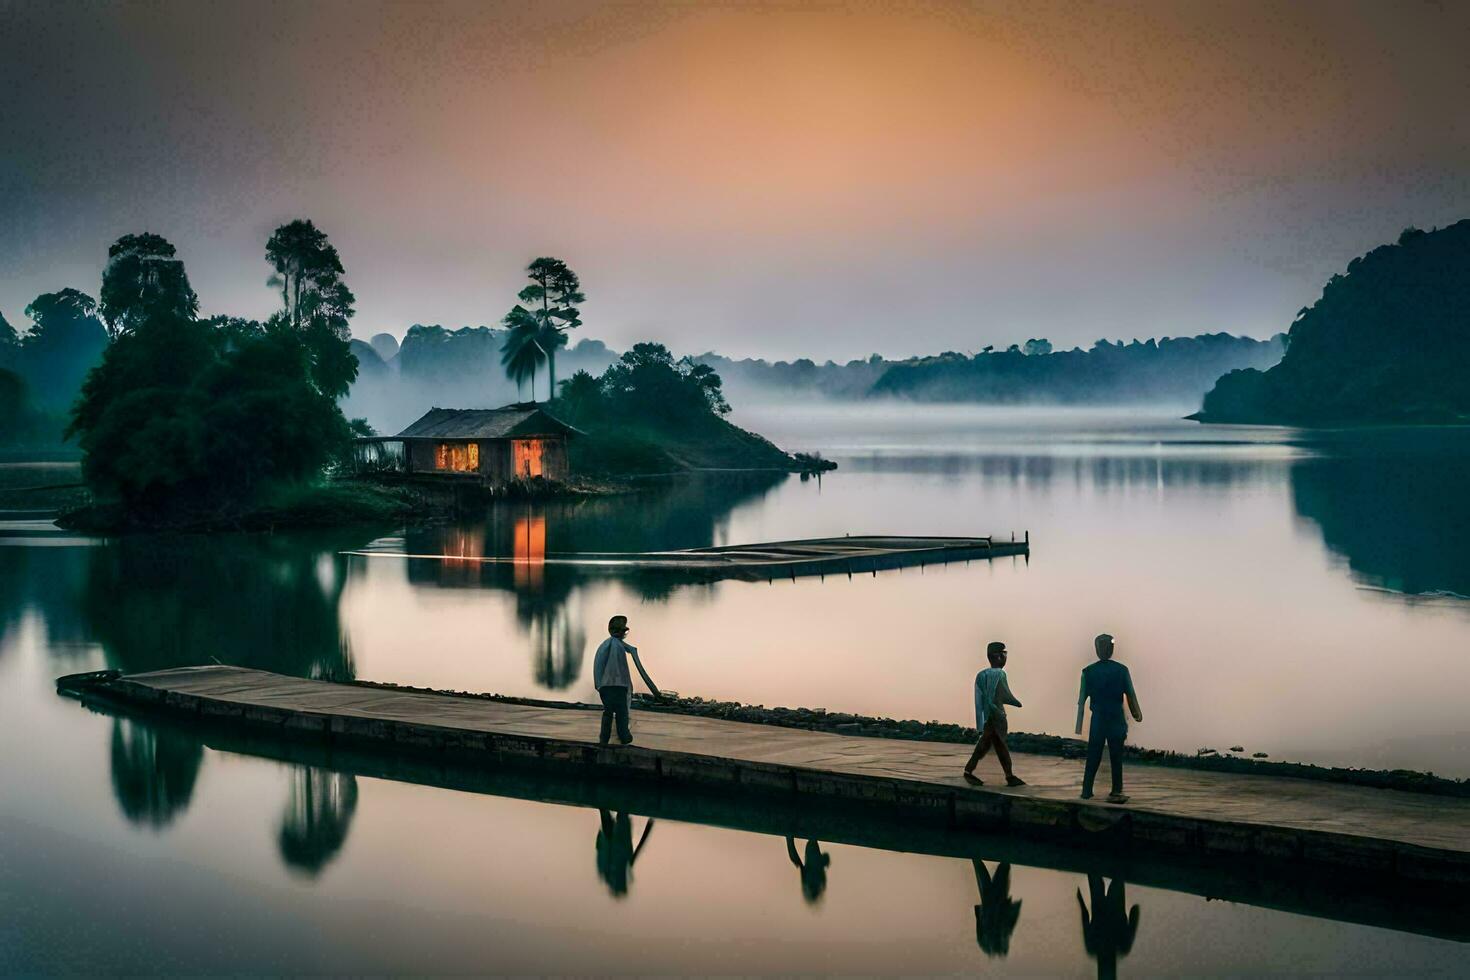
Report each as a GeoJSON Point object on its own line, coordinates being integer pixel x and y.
{"type": "Point", "coordinates": [512, 421]}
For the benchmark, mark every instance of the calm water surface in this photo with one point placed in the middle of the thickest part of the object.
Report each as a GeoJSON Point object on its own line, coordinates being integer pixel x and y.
{"type": "Point", "coordinates": [1296, 595]}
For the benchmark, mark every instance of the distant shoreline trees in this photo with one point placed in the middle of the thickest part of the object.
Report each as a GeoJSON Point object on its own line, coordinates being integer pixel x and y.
{"type": "Point", "coordinates": [1388, 342]}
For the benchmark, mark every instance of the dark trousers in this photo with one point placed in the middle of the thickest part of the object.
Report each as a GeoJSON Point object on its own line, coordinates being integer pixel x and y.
{"type": "Point", "coordinates": [615, 706]}
{"type": "Point", "coordinates": [1097, 736]}
{"type": "Point", "coordinates": [994, 737]}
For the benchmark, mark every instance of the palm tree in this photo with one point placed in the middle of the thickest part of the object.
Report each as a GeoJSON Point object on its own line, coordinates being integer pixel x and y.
{"type": "Point", "coordinates": [522, 353]}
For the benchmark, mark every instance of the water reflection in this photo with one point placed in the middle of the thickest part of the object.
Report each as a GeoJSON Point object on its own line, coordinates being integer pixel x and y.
{"type": "Point", "coordinates": [252, 601]}
{"type": "Point", "coordinates": [319, 811]}
{"type": "Point", "coordinates": [1399, 519]}
{"type": "Point", "coordinates": [153, 772]}
{"type": "Point", "coordinates": [813, 869]}
{"type": "Point", "coordinates": [1100, 467]}
{"type": "Point", "coordinates": [615, 851]}
{"type": "Point", "coordinates": [688, 513]}
{"type": "Point", "coordinates": [997, 914]}
{"type": "Point", "coordinates": [45, 581]}
{"type": "Point", "coordinates": [1109, 930]}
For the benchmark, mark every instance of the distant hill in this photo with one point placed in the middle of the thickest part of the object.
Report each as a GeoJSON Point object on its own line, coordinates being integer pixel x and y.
{"type": "Point", "coordinates": [1176, 370]}
{"type": "Point", "coordinates": [1387, 342]}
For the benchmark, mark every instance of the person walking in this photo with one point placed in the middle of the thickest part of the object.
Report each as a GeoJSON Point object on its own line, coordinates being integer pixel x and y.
{"type": "Point", "coordinates": [1107, 683]}
{"type": "Point", "coordinates": [614, 684]}
{"type": "Point", "coordinates": [992, 694]}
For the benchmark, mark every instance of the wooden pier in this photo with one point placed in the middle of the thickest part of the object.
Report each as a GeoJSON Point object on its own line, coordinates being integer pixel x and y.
{"type": "Point", "coordinates": [866, 554]}
{"type": "Point", "coordinates": [1287, 826]}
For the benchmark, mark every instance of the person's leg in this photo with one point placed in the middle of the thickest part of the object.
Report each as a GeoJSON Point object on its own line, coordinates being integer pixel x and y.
{"type": "Point", "coordinates": [1115, 758]}
{"type": "Point", "coordinates": [625, 731]}
{"type": "Point", "coordinates": [1095, 743]}
{"type": "Point", "coordinates": [607, 718]}
{"type": "Point", "coordinates": [999, 731]}
{"type": "Point", "coordinates": [981, 747]}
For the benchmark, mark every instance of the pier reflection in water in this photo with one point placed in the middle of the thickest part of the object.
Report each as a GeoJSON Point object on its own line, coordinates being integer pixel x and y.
{"type": "Point", "coordinates": [899, 890]}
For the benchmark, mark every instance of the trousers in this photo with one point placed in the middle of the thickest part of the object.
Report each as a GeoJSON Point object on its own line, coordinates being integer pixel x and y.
{"type": "Point", "coordinates": [1098, 736]}
{"type": "Point", "coordinates": [614, 708]}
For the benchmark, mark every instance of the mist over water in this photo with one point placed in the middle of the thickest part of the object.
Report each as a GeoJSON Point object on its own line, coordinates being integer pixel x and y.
{"type": "Point", "coordinates": [1262, 584]}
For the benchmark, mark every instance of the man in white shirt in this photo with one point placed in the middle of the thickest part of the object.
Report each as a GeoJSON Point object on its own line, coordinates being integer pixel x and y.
{"type": "Point", "coordinates": [614, 684]}
{"type": "Point", "coordinates": [992, 694]}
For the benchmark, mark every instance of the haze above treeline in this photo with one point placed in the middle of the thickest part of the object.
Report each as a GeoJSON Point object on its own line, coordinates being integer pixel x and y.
{"type": "Point", "coordinates": [773, 180]}
{"type": "Point", "coordinates": [461, 367]}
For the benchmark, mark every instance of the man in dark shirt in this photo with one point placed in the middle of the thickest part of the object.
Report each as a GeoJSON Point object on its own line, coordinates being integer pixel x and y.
{"type": "Point", "coordinates": [1107, 683]}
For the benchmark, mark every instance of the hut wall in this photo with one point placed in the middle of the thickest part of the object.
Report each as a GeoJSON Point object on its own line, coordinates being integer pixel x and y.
{"type": "Point", "coordinates": [495, 462]}
{"type": "Point", "coordinates": [554, 462]}
{"type": "Point", "coordinates": [420, 456]}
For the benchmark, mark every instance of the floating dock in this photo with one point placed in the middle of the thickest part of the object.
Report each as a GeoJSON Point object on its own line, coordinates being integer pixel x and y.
{"type": "Point", "coordinates": [1287, 826]}
{"type": "Point", "coordinates": [778, 559]}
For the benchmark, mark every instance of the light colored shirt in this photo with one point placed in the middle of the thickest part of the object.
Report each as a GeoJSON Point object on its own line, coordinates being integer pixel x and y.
{"type": "Point", "coordinates": [992, 694]}
{"type": "Point", "coordinates": [610, 664]}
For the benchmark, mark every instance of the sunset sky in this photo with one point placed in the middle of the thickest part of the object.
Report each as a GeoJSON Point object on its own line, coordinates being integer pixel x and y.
{"type": "Point", "coordinates": [776, 179]}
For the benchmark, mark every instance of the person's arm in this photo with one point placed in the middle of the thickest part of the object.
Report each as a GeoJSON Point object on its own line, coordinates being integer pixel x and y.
{"type": "Point", "coordinates": [647, 826]}
{"type": "Point", "coordinates": [791, 852]}
{"type": "Point", "coordinates": [643, 673]}
{"type": "Point", "coordinates": [1081, 700]}
{"type": "Point", "coordinates": [1133, 700]}
{"type": "Point", "coordinates": [599, 661]}
{"type": "Point", "coordinates": [1003, 693]}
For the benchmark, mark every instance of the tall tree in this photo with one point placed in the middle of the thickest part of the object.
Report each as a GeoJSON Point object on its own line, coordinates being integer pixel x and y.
{"type": "Point", "coordinates": [551, 303]}
{"type": "Point", "coordinates": [143, 278]}
{"type": "Point", "coordinates": [316, 301]}
{"type": "Point", "coordinates": [305, 264]}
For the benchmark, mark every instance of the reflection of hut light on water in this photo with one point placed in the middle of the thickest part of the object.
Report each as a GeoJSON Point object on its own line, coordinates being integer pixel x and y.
{"type": "Point", "coordinates": [464, 547]}
{"type": "Point", "coordinates": [530, 551]}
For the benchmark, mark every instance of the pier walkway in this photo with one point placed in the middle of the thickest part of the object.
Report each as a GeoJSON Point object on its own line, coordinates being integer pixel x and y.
{"type": "Point", "coordinates": [862, 554]}
{"type": "Point", "coordinates": [1402, 835]}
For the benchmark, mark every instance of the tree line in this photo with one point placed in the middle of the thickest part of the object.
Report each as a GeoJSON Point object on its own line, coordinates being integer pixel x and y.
{"type": "Point", "coordinates": [179, 416]}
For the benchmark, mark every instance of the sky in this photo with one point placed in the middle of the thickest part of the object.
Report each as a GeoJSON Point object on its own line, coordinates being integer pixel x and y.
{"type": "Point", "coordinates": [760, 179]}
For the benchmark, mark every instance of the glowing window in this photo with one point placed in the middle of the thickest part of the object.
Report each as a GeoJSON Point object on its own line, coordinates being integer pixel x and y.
{"type": "Point", "coordinates": [527, 454]}
{"type": "Point", "coordinates": [457, 457]}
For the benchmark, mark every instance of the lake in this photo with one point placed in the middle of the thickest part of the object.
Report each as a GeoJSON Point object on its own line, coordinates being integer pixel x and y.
{"type": "Point", "coordinates": [1296, 594]}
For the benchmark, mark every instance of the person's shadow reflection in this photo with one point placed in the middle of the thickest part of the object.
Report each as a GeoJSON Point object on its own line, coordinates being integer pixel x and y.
{"type": "Point", "coordinates": [813, 869]}
{"type": "Point", "coordinates": [615, 850]}
{"type": "Point", "coordinates": [997, 913]}
{"type": "Point", "coordinates": [1109, 932]}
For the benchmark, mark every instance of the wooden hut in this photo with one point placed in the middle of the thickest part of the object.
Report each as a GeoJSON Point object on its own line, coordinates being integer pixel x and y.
{"type": "Point", "coordinates": [490, 445]}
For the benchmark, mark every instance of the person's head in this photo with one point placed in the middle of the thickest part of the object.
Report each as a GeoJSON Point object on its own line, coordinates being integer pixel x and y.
{"type": "Point", "coordinates": [618, 626]}
{"type": "Point", "coordinates": [995, 652]}
{"type": "Point", "coordinates": [1103, 644]}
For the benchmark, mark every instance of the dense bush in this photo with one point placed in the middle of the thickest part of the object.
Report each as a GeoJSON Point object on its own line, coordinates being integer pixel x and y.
{"type": "Point", "coordinates": [184, 417]}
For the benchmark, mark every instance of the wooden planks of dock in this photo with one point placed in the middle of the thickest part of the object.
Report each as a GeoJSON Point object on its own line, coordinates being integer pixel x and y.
{"type": "Point", "coordinates": [863, 554]}
{"type": "Point", "coordinates": [1286, 822]}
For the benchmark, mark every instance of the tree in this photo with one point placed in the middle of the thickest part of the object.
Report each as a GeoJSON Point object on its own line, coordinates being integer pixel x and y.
{"type": "Point", "coordinates": [185, 419]}
{"type": "Point", "coordinates": [143, 277]}
{"type": "Point", "coordinates": [646, 381]}
{"type": "Point", "coordinates": [550, 309]}
{"type": "Point", "coordinates": [316, 301]}
{"type": "Point", "coordinates": [15, 408]}
{"type": "Point", "coordinates": [581, 397]}
{"type": "Point", "coordinates": [1034, 347]}
{"type": "Point", "coordinates": [522, 353]}
{"type": "Point", "coordinates": [9, 343]}
{"type": "Point", "coordinates": [63, 344]}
